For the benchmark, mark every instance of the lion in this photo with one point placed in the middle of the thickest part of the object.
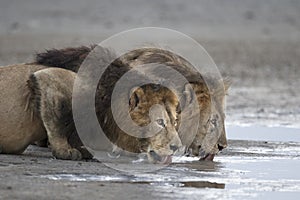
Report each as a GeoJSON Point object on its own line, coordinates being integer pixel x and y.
{"type": "Point", "coordinates": [36, 104]}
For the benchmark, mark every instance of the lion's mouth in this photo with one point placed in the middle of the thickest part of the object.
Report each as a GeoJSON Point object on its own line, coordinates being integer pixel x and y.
{"type": "Point", "coordinates": [165, 159]}
{"type": "Point", "coordinates": [207, 157]}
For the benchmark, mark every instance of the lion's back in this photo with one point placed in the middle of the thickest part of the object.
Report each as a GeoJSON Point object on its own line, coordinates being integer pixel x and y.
{"type": "Point", "coordinates": [19, 124]}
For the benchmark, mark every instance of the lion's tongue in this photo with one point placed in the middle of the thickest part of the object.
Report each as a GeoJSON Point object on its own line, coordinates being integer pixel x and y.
{"type": "Point", "coordinates": [208, 157]}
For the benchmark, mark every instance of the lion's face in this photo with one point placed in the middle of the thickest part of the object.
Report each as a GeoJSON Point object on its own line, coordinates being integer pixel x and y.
{"type": "Point", "coordinates": [155, 106]}
{"type": "Point", "coordinates": [211, 135]}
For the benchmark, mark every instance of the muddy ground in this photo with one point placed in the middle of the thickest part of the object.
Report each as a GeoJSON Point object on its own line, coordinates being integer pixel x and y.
{"type": "Point", "coordinates": [246, 170]}
{"type": "Point", "coordinates": [256, 43]}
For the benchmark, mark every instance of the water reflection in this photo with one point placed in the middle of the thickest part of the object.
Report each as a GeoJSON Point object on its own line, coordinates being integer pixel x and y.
{"type": "Point", "coordinates": [248, 170]}
{"type": "Point", "coordinates": [135, 180]}
{"type": "Point", "coordinates": [203, 184]}
{"type": "Point", "coordinates": [205, 166]}
{"type": "Point", "coordinates": [193, 184]}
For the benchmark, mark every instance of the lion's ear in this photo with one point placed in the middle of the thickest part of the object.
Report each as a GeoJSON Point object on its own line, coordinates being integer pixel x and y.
{"type": "Point", "coordinates": [227, 83]}
{"type": "Point", "coordinates": [188, 95]}
{"type": "Point", "coordinates": [135, 96]}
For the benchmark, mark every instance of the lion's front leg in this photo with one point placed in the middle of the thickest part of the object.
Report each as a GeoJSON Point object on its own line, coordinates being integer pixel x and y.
{"type": "Point", "coordinates": [58, 134]}
{"type": "Point", "coordinates": [62, 150]}
{"type": "Point", "coordinates": [54, 96]}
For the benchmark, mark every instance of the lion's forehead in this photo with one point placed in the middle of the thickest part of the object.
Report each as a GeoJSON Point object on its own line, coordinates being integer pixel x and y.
{"type": "Point", "coordinates": [162, 103]}
{"type": "Point", "coordinates": [161, 95]}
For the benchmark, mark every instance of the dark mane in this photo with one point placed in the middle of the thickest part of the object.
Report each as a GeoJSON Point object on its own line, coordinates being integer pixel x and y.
{"type": "Point", "coordinates": [72, 57]}
{"type": "Point", "coordinates": [68, 58]}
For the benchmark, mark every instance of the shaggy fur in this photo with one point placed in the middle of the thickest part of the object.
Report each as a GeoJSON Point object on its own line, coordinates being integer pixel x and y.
{"type": "Point", "coordinates": [48, 84]}
{"type": "Point", "coordinates": [68, 58]}
{"type": "Point", "coordinates": [145, 56]}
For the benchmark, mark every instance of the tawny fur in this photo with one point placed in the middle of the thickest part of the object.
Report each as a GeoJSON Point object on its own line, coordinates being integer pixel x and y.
{"type": "Point", "coordinates": [39, 99]}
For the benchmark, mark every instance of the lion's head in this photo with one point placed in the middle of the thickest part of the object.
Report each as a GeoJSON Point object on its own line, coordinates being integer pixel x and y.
{"type": "Point", "coordinates": [211, 135]}
{"type": "Point", "coordinates": [156, 106]}
{"type": "Point", "coordinates": [153, 109]}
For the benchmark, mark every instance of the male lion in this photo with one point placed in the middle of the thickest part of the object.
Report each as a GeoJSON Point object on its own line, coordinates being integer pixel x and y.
{"type": "Point", "coordinates": [36, 103]}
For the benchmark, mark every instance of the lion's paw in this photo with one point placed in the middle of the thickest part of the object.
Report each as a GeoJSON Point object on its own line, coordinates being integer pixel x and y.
{"type": "Point", "coordinates": [85, 153]}
{"type": "Point", "coordinates": [67, 154]}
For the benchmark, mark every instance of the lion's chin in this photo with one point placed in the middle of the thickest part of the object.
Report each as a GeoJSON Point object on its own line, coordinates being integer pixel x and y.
{"type": "Point", "coordinates": [207, 157]}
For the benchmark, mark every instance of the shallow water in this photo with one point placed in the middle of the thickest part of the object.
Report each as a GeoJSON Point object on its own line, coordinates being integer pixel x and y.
{"type": "Point", "coordinates": [247, 169]}
{"type": "Point", "coordinates": [261, 133]}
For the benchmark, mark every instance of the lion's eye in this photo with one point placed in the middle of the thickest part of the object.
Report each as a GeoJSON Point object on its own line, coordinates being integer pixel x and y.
{"type": "Point", "coordinates": [160, 122]}
{"type": "Point", "coordinates": [176, 122]}
{"type": "Point", "coordinates": [214, 122]}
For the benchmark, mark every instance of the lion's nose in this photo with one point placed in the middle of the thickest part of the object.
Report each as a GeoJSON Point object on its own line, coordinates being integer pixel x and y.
{"type": "Point", "coordinates": [220, 147]}
{"type": "Point", "coordinates": [173, 147]}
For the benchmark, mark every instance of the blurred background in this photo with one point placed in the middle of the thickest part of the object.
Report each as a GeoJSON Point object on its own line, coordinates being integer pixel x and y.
{"type": "Point", "coordinates": [254, 42]}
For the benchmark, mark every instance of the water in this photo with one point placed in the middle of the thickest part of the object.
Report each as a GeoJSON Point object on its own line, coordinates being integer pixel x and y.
{"type": "Point", "coordinates": [264, 166]}
{"type": "Point", "coordinates": [261, 133]}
